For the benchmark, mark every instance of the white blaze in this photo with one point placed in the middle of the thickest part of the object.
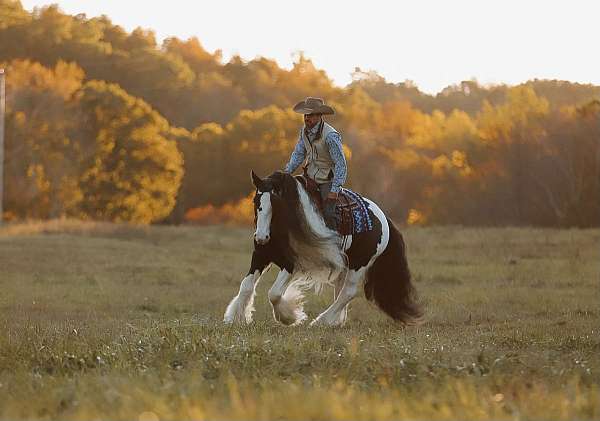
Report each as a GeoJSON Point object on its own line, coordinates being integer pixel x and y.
{"type": "Point", "coordinates": [264, 214]}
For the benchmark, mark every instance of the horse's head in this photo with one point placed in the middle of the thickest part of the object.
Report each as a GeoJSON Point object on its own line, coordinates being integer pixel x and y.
{"type": "Point", "coordinates": [268, 200]}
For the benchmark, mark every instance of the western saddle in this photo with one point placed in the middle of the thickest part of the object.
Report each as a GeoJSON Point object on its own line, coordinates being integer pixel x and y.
{"type": "Point", "coordinates": [344, 207]}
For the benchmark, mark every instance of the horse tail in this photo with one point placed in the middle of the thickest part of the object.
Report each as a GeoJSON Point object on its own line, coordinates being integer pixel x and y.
{"type": "Point", "coordinates": [388, 282]}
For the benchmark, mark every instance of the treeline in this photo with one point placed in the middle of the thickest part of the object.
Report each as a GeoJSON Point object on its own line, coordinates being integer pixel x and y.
{"type": "Point", "coordinates": [106, 124]}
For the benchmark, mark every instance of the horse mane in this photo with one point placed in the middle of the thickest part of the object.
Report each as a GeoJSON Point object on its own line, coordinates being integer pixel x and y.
{"type": "Point", "coordinates": [309, 238]}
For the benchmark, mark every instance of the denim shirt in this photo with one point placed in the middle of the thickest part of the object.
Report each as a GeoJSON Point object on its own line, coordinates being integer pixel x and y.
{"type": "Point", "coordinates": [334, 143]}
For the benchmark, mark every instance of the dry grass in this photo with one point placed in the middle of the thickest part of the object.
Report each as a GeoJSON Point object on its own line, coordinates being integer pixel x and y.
{"type": "Point", "coordinates": [120, 322]}
{"type": "Point", "coordinates": [69, 226]}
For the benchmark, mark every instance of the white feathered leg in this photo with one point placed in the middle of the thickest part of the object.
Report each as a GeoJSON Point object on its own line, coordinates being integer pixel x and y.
{"type": "Point", "coordinates": [286, 302]}
{"type": "Point", "coordinates": [333, 315]}
{"type": "Point", "coordinates": [240, 309]}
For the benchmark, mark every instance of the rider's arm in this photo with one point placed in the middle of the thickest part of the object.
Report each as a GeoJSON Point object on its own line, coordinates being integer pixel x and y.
{"type": "Point", "coordinates": [297, 157]}
{"type": "Point", "coordinates": [340, 170]}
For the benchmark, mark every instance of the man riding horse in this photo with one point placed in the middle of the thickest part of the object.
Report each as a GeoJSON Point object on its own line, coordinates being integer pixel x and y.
{"type": "Point", "coordinates": [364, 249]}
{"type": "Point", "coordinates": [321, 146]}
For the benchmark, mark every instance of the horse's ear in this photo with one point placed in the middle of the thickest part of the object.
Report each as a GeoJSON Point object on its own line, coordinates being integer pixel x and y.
{"type": "Point", "coordinates": [256, 180]}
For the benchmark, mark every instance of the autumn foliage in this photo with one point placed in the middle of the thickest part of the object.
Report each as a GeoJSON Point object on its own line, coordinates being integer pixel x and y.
{"type": "Point", "coordinates": [108, 125]}
{"type": "Point", "coordinates": [240, 212]}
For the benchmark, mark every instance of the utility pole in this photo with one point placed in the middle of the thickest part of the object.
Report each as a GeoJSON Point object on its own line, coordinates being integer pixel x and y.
{"type": "Point", "coordinates": [2, 109]}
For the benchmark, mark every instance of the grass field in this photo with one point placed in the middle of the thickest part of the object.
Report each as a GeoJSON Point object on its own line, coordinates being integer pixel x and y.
{"type": "Point", "coordinates": [103, 321]}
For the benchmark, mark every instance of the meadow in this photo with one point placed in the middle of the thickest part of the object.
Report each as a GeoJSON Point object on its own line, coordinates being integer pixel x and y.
{"type": "Point", "coordinates": [106, 321]}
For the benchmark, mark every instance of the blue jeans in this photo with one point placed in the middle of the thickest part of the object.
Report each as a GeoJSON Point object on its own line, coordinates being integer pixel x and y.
{"type": "Point", "coordinates": [328, 206]}
{"type": "Point", "coordinates": [324, 189]}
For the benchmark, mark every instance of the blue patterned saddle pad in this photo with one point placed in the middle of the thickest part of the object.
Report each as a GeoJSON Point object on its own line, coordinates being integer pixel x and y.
{"type": "Point", "coordinates": [352, 213]}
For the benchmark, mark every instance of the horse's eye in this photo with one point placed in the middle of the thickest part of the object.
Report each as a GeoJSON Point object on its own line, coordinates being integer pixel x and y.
{"type": "Point", "coordinates": [260, 208]}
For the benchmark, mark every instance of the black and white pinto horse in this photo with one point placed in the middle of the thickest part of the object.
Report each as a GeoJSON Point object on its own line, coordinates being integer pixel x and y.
{"type": "Point", "coordinates": [291, 233]}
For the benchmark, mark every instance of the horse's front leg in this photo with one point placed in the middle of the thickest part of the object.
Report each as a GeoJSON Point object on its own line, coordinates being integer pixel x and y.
{"type": "Point", "coordinates": [242, 305]}
{"type": "Point", "coordinates": [286, 302]}
{"type": "Point", "coordinates": [334, 315]}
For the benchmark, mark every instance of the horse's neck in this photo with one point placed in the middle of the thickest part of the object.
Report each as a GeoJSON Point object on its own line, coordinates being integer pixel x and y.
{"type": "Point", "coordinates": [319, 246]}
{"type": "Point", "coordinates": [309, 211]}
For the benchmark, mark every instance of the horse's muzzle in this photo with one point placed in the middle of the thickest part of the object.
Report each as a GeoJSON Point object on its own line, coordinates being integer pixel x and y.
{"type": "Point", "coordinates": [262, 241]}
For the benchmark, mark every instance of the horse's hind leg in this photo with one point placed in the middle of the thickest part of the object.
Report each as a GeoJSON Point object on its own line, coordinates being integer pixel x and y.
{"type": "Point", "coordinates": [337, 288]}
{"type": "Point", "coordinates": [242, 305]}
{"type": "Point", "coordinates": [333, 315]}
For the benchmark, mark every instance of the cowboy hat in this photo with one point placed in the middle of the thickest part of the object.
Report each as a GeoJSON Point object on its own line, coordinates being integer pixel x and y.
{"type": "Point", "coordinates": [313, 106]}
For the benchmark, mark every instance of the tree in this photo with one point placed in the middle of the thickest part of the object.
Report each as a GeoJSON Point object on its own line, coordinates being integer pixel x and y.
{"type": "Point", "coordinates": [40, 152]}
{"type": "Point", "coordinates": [382, 91]}
{"type": "Point", "coordinates": [194, 54]}
{"type": "Point", "coordinates": [12, 14]}
{"type": "Point", "coordinates": [567, 176]}
{"type": "Point", "coordinates": [219, 159]}
{"type": "Point", "coordinates": [514, 133]}
{"type": "Point", "coordinates": [135, 170]}
{"type": "Point", "coordinates": [469, 96]}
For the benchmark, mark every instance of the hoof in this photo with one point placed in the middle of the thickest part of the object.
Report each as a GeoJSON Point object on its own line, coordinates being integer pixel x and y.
{"type": "Point", "coordinates": [325, 321]}
{"type": "Point", "coordinates": [288, 321]}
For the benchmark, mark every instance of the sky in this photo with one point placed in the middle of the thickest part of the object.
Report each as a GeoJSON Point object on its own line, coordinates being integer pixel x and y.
{"type": "Point", "coordinates": [434, 43]}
